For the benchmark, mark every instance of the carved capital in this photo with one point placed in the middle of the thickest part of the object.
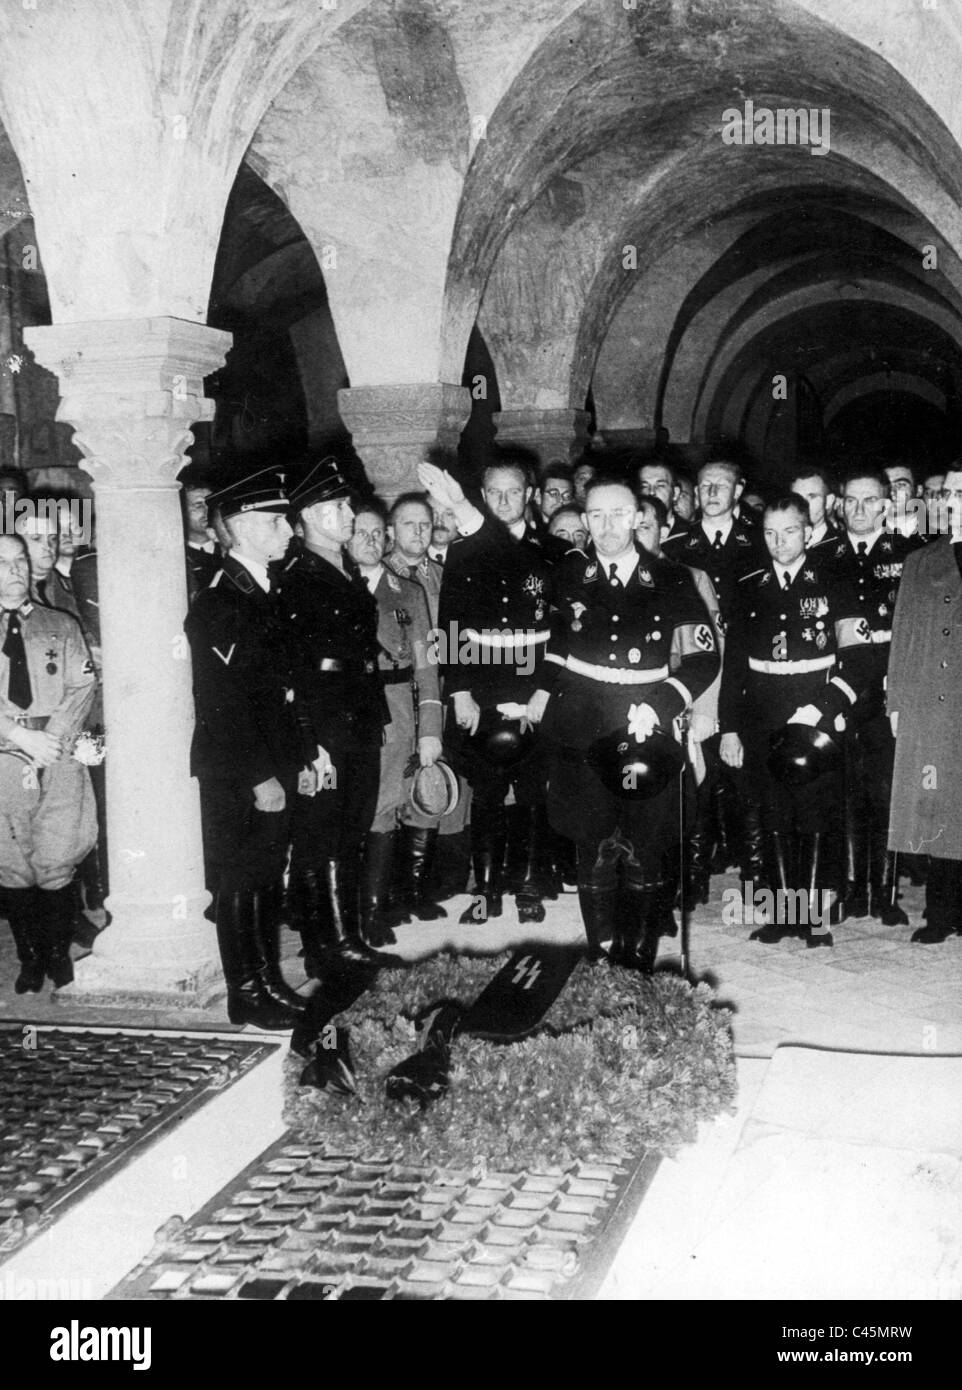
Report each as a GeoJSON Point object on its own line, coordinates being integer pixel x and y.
{"type": "Point", "coordinates": [393, 427]}
{"type": "Point", "coordinates": [131, 388]}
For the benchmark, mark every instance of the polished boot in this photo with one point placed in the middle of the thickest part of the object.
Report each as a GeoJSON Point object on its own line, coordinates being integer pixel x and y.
{"type": "Point", "coordinates": [753, 855]}
{"type": "Point", "coordinates": [724, 826]}
{"type": "Point", "coordinates": [19, 906]}
{"type": "Point", "coordinates": [820, 900]}
{"type": "Point", "coordinates": [531, 827]}
{"type": "Point", "coordinates": [698, 851]}
{"type": "Point", "coordinates": [640, 901]}
{"type": "Point", "coordinates": [377, 868]}
{"type": "Point", "coordinates": [418, 849]}
{"type": "Point", "coordinates": [943, 901]}
{"type": "Point", "coordinates": [242, 960]}
{"type": "Point", "coordinates": [487, 856]}
{"type": "Point", "coordinates": [779, 878]}
{"type": "Point", "coordinates": [884, 900]}
{"type": "Point", "coordinates": [266, 927]}
{"type": "Point", "coordinates": [83, 933]}
{"type": "Point", "coordinates": [90, 877]}
{"type": "Point", "coordinates": [342, 925]}
{"type": "Point", "coordinates": [55, 911]}
{"type": "Point", "coordinates": [308, 905]}
{"type": "Point", "coordinates": [856, 870]}
{"type": "Point", "coordinates": [667, 897]}
{"type": "Point", "coordinates": [452, 865]}
{"type": "Point", "coordinates": [598, 913]}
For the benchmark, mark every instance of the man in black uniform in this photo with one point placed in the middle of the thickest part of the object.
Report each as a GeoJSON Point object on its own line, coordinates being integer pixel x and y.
{"type": "Point", "coordinates": [493, 620]}
{"type": "Point", "coordinates": [797, 652]}
{"type": "Point", "coordinates": [624, 621]}
{"type": "Point", "coordinates": [342, 712]}
{"type": "Point", "coordinates": [869, 556]}
{"type": "Point", "coordinates": [245, 750]}
{"type": "Point", "coordinates": [727, 548]}
{"type": "Point", "coordinates": [814, 485]}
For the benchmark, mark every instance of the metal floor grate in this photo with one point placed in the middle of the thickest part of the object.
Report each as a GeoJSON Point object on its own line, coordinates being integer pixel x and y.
{"type": "Point", "coordinates": [303, 1224]}
{"type": "Point", "coordinates": [75, 1104]}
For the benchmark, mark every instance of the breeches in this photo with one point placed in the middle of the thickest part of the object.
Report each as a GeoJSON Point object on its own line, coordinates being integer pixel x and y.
{"type": "Point", "coordinates": [243, 848]}
{"type": "Point", "coordinates": [48, 822]}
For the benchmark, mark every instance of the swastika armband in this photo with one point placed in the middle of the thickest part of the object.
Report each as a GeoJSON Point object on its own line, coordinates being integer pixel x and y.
{"type": "Point", "coordinates": [852, 632]}
{"type": "Point", "coordinates": [691, 638]}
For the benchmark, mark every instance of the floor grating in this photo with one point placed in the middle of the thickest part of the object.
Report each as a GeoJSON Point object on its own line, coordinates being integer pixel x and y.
{"type": "Point", "coordinates": [75, 1104]}
{"type": "Point", "coordinates": [303, 1224]}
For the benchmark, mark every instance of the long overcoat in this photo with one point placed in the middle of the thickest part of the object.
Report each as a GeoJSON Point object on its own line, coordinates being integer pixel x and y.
{"type": "Point", "coordinates": [925, 690]}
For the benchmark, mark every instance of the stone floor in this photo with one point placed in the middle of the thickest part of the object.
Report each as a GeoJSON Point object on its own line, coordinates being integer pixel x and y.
{"type": "Point", "coordinates": [872, 991]}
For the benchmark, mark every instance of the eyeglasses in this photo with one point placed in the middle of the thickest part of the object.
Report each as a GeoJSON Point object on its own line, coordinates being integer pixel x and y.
{"type": "Point", "coordinates": [559, 494]}
{"type": "Point", "coordinates": [947, 493]}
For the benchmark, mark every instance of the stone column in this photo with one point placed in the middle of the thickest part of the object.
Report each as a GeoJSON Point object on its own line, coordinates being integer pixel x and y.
{"type": "Point", "coordinates": [131, 389]}
{"type": "Point", "coordinates": [556, 436]}
{"type": "Point", "coordinates": [628, 437]}
{"type": "Point", "coordinates": [395, 426]}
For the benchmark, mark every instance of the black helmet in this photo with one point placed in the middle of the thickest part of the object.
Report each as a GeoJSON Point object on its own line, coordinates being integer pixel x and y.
{"type": "Point", "coordinates": [636, 771]}
{"type": "Point", "coordinates": [800, 753]}
{"type": "Point", "coordinates": [500, 741]}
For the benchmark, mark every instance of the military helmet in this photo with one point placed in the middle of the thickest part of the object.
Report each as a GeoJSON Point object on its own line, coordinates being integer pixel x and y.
{"type": "Point", "coordinates": [636, 771]}
{"type": "Point", "coordinates": [800, 754]}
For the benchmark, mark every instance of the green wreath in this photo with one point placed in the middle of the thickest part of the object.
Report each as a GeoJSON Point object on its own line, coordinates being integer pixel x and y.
{"type": "Point", "coordinates": [622, 1062]}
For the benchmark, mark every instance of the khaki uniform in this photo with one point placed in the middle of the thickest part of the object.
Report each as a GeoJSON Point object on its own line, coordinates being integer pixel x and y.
{"type": "Point", "coordinates": [48, 819]}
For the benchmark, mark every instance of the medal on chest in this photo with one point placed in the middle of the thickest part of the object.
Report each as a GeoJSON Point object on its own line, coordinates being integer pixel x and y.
{"type": "Point", "coordinates": [51, 654]}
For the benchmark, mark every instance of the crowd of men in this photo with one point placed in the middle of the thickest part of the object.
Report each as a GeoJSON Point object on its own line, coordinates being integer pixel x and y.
{"type": "Point", "coordinates": [609, 678]}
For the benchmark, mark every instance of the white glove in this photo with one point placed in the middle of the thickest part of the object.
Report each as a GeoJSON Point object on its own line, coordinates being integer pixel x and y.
{"type": "Point", "coordinates": [642, 721]}
{"type": "Point", "coordinates": [512, 710]}
{"type": "Point", "coordinates": [806, 714]}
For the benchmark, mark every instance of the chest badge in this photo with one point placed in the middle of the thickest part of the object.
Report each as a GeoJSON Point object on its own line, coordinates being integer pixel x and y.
{"type": "Point", "coordinates": [51, 654]}
{"type": "Point", "coordinates": [591, 572]}
{"type": "Point", "coordinates": [634, 655]}
{"type": "Point", "coordinates": [576, 611]}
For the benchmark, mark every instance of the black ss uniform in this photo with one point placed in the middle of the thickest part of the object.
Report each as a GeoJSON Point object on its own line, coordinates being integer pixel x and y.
{"type": "Point", "coordinates": [721, 826]}
{"type": "Point", "coordinates": [494, 623]}
{"type": "Point", "coordinates": [875, 576]}
{"type": "Point", "coordinates": [615, 645]}
{"type": "Point", "coordinates": [245, 732]}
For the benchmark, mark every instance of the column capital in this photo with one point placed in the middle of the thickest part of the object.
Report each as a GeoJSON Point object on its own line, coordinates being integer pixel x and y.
{"type": "Point", "coordinates": [393, 427]}
{"type": "Point", "coordinates": [553, 434]}
{"type": "Point", "coordinates": [131, 388]}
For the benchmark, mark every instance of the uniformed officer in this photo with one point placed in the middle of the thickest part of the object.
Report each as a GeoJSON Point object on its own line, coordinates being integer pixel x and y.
{"type": "Point", "coordinates": [49, 818]}
{"type": "Point", "coordinates": [797, 651]}
{"type": "Point", "coordinates": [410, 531]}
{"type": "Point", "coordinates": [815, 485]}
{"type": "Point", "coordinates": [623, 617]}
{"type": "Point", "coordinates": [342, 711]}
{"type": "Point", "coordinates": [870, 556]}
{"type": "Point", "coordinates": [493, 626]}
{"type": "Point", "coordinates": [727, 548]}
{"type": "Point", "coordinates": [246, 753]}
{"type": "Point", "coordinates": [409, 673]}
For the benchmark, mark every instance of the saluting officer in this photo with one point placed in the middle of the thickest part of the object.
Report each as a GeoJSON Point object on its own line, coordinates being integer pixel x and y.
{"type": "Point", "coordinates": [49, 820]}
{"type": "Point", "coordinates": [342, 712]}
{"type": "Point", "coordinates": [797, 652]}
{"type": "Point", "coordinates": [245, 751]}
{"type": "Point", "coordinates": [727, 547]}
{"type": "Point", "coordinates": [494, 625]}
{"type": "Point", "coordinates": [409, 671]}
{"type": "Point", "coordinates": [632, 647]}
{"type": "Point", "coordinates": [870, 557]}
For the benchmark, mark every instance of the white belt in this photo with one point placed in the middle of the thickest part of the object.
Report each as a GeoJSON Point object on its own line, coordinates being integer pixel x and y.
{"type": "Point", "coordinates": [791, 668]}
{"type": "Point", "coordinates": [881, 636]}
{"type": "Point", "coordinates": [616, 677]}
{"type": "Point", "coordinates": [492, 638]}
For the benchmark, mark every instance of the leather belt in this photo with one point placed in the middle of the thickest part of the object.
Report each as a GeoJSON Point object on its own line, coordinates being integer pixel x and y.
{"type": "Point", "coordinates": [619, 676]}
{"type": "Point", "coordinates": [346, 668]}
{"type": "Point", "coordinates": [791, 668]}
{"type": "Point", "coordinates": [396, 676]}
{"type": "Point", "coordinates": [493, 637]}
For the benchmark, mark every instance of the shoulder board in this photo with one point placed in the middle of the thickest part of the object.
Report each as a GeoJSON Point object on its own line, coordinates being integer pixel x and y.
{"type": "Point", "coordinates": [393, 582]}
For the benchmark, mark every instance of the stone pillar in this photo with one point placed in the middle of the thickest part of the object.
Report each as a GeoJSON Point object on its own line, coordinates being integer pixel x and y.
{"type": "Point", "coordinates": [556, 436]}
{"type": "Point", "coordinates": [131, 389]}
{"type": "Point", "coordinates": [395, 426]}
{"type": "Point", "coordinates": [629, 437]}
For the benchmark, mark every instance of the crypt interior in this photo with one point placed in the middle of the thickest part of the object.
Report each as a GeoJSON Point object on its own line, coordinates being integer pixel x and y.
{"type": "Point", "coordinates": [239, 231]}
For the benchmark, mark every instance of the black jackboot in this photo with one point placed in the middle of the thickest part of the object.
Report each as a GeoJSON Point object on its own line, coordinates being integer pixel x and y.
{"type": "Point", "coordinates": [699, 850]}
{"type": "Point", "coordinates": [753, 855]}
{"type": "Point", "coordinates": [822, 901]}
{"type": "Point", "coordinates": [488, 835]}
{"type": "Point", "coordinates": [242, 960]}
{"type": "Point", "coordinates": [884, 897]}
{"type": "Point", "coordinates": [640, 905]}
{"type": "Point", "coordinates": [857, 870]}
{"type": "Point", "coordinates": [598, 912]}
{"type": "Point", "coordinates": [452, 865]}
{"type": "Point", "coordinates": [19, 906]}
{"type": "Point", "coordinates": [55, 910]}
{"type": "Point", "coordinates": [780, 879]}
{"type": "Point", "coordinates": [341, 928]}
{"type": "Point", "coordinates": [418, 849]}
{"type": "Point", "coordinates": [377, 868]}
{"type": "Point", "coordinates": [531, 829]}
{"type": "Point", "coordinates": [266, 922]}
